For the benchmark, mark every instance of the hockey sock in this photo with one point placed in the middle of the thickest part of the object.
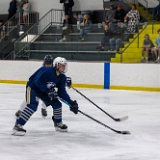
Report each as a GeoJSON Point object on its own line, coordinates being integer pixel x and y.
{"type": "Point", "coordinates": [25, 115]}
{"type": "Point", "coordinates": [57, 115]}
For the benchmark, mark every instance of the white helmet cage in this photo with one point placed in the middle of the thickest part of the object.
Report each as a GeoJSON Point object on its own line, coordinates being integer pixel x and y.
{"type": "Point", "coordinates": [59, 60]}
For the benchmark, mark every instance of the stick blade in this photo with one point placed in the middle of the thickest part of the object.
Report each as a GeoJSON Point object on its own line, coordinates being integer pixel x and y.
{"type": "Point", "coordinates": [125, 132]}
{"type": "Point", "coordinates": [121, 119]}
{"type": "Point", "coordinates": [124, 118]}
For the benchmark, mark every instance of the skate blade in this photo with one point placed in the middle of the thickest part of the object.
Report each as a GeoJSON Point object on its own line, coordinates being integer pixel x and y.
{"type": "Point", "coordinates": [18, 133]}
{"type": "Point", "coordinates": [61, 130]}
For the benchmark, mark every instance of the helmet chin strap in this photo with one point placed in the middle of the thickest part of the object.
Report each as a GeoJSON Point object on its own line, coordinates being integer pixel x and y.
{"type": "Point", "coordinates": [60, 72]}
{"type": "Point", "coordinates": [57, 67]}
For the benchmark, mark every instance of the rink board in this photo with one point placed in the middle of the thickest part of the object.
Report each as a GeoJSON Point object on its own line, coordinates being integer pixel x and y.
{"type": "Point", "coordinates": [144, 77]}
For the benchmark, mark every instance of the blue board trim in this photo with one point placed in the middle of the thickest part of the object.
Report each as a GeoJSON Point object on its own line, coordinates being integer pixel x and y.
{"type": "Point", "coordinates": [106, 75]}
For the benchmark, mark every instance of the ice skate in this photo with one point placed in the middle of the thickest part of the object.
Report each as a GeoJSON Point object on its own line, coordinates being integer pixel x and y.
{"type": "Point", "coordinates": [44, 112]}
{"type": "Point", "coordinates": [17, 114]}
{"type": "Point", "coordinates": [18, 130]}
{"type": "Point", "coordinates": [60, 126]}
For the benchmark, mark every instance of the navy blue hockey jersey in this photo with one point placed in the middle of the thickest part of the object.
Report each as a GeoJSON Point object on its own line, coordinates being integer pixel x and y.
{"type": "Point", "coordinates": [44, 75]}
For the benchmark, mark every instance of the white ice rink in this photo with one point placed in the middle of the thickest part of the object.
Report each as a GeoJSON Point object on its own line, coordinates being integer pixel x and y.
{"type": "Point", "coordinates": [85, 139]}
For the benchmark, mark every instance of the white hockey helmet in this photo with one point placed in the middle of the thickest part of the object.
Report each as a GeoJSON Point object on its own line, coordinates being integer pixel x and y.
{"type": "Point", "coordinates": [56, 63]}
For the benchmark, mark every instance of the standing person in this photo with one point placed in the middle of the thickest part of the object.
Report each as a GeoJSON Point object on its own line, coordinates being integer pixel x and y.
{"type": "Point", "coordinates": [26, 10]}
{"type": "Point", "coordinates": [68, 5]}
{"type": "Point", "coordinates": [46, 83]}
{"type": "Point", "coordinates": [133, 18]}
{"type": "Point", "coordinates": [156, 49]}
{"type": "Point", "coordinates": [86, 26]}
{"type": "Point", "coordinates": [12, 10]}
{"type": "Point", "coordinates": [19, 11]}
{"type": "Point", "coordinates": [147, 46]}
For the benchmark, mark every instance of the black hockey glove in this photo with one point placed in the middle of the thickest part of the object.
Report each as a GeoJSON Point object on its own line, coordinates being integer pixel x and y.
{"type": "Point", "coordinates": [68, 82]}
{"type": "Point", "coordinates": [52, 93]}
{"type": "Point", "coordinates": [74, 107]}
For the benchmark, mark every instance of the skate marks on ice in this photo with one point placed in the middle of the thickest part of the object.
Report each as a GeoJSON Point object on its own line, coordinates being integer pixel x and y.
{"type": "Point", "coordinates": [85, 139]}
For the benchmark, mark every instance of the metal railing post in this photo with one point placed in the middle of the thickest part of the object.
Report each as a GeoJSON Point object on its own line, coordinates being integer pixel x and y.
{"type": "Point", "coordinates": [138, 35]}
{"type": "Point", "coordinates": [121, 47]}
{"type": "Point", "coordinates": [104, 10]}
{"type": "Point", "coordinates": [32, 33]}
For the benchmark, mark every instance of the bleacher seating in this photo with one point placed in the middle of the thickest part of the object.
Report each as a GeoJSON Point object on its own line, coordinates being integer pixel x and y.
{"type": "Point", "coordinates": [48, 42]}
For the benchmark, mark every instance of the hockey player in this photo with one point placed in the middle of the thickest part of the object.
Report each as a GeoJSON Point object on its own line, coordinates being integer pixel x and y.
{"type": "Point", "coordinates": [48, 62]}
{"type": "Point", "coordinates": [47, 83]}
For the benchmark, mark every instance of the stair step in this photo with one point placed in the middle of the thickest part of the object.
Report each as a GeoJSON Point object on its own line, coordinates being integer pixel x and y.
{"type": "Point", "coordinates": [73, 55]}
{"type": "Point", "coordinates": [55, 29]}
{"type": "Point", "coordinates": [57, 51]}
{"type": "Point", "coordinates": [71, 37]}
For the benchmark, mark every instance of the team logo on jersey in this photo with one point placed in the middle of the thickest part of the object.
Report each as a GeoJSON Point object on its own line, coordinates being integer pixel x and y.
{"type": "Point", "coordinates": [50, 84]}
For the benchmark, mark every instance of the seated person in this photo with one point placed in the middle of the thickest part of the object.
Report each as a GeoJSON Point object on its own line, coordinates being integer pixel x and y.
{"type": "Point", "coordinates": [147, 46]}
{"type": "Point", "coordinates": [65, 28]}
{"type": "Point", "coordinates": [105, 38]}
{"type": "Point", "coordinates": [118, 18]}
{"type": "Point", "coordinates": [86, 26]}
{"type": "Point", "coordinates": [79, 18]}
{"type": "Point", "coordinates": [156, 50]}
{"type": "Point", "coordinates": [2, 32]}
{"type": "Point", "coordinates": [133, 18]}
{"type": "Point", "coordinates": [114, 44]}
{"type": "Point", "coordinates": [110, 14]}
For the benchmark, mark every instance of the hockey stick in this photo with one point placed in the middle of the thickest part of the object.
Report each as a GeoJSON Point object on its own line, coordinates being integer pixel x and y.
{"type": "Point", "coordinates": [120, 132]}
{"type": "Point", "coordinates": [115, 119]}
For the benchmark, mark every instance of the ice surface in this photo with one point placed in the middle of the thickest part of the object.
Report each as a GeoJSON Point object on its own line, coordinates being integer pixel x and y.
{"type": "Point", "coordinates": [85, 139]}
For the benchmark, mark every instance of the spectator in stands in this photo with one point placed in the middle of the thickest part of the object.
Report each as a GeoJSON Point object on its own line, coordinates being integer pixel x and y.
{"type": "Point", "coordinates": [115, 44]}
{"type": "Point", "coordinates": [147, 47]}
{"type": "Point", "coordinates": [1, 29]}
{"type": "Point", "coordinates": [118, 18]}
{"type": "Point", "coordinates": [12, 10]}
{"type": "Point", "coordinates": [156, 49]}
{"type": "Point", "coordinates": [110, 14]}
{"type": "Point", "coordinates": [19, 11]}
{"type": "Point", "coordinates": [26, 10]}
{"type": "Point", "coordinates": [65, 28]}
{"type": "Point", "coordinates": [133, 18]}
{"type": "Point", "coordinates": [155, 10]}
{"type": "Point", "coordinates": [86, 26]}
{"type": "Point", "coordinates": [105, 38]}
{"type": "Point", "coordinates": [79, 18]}
{"type": "Point", "coordinates": [68, 4]}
